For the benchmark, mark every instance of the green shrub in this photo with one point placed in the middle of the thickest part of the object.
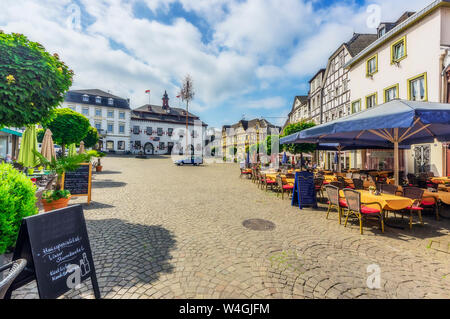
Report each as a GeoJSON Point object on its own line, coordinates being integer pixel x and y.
{"type": "Point", "coordinates": [17, 200]}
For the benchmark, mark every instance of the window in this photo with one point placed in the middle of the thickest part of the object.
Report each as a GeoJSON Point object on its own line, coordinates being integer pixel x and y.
{"type": "Point", "coordinates": [85, 111]}
{"type": "Point", "coordinates": [98, 112]}
{"type": "Point", "coordinates": [160, 131]}
{"type": "Point", "coordinates": [136, 130]}
{"type": "Point", "coordinates": [391, 93]}
{"type": "Point", "coordinates": [381, 32]}
{"type": "Point", "coordinates": [371, 100]}
{"type": "Point", "coordinates": [417, 88]}
{"type": "Point", "coordinates": [85, 98]}
{"type": "Point", "coordinates": [162, 145]}
{"type": "Point", "coordinates": [110, 145]}
{"type": "Point", "coordinates": [121, 145]}
{"type": "Point", "coordinates": [73, 108]}
{"type": "Point", "coordinates": [356, 106]}
{"type": "Point", "coordinates": [372, 65]}
{"type": "Point", "coordinates": [98, 126]}
{"type": "Point", "coordinates": [170, 131]}
{"type": "Point", "coordinates": [121, 128]}
{"type": "Point", "coordinates": [110, 128]}
{"type": "Point", "coordinates": [98, 99]}
{"type": "Point", "coordinates": [149, 130]}
{"type": "Point", "coordinates": [110, 101]}
{"type": "Point", "coordinates": [110, 113]}
{"type": "Point", "coordinates": [398, 50]}
{"type": "Point", "coordinates": [137, 144]}
{"type": "Point", "coordinates": [345, 85]}
{"type": "Point", "coordinates": [122, 115]}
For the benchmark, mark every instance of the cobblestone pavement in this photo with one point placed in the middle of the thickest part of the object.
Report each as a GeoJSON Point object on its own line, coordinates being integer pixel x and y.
{"type": "Point", "coordinates": [161, 231]}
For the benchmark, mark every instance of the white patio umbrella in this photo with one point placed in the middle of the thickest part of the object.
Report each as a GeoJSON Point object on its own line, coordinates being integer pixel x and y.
{"type": "Point", "coordinates": [48, 148]}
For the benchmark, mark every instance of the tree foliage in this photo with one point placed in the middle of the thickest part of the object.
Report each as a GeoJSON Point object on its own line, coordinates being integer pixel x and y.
{"type": "Point", "coordinates": [32, 81]}
{"type": "Point", "coordinates": [92, 138]}
{"type": "Point", "coordinates": [266, 145]}
{"type": "Point", "coordinates": [17, 200]}
{"type": "Point", "coordinates": [298, 148]}
{"type": "Point", "coordinates": [40, 135]}
{"type": "Point", "coordinates": [68, 127]}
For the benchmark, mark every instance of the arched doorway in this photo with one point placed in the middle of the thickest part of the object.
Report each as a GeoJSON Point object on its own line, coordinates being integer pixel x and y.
{"type": "Point", "coordinates": [149, 149]}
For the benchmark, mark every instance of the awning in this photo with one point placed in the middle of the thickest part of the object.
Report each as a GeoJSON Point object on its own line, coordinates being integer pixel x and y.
{"type": "Point", "coordinates": [9, 131]}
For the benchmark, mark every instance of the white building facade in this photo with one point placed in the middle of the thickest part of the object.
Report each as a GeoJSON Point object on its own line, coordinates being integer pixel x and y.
{"type": "Point", "coordinates": [109, 114]}
{"type": "Point", "coordinates": [158, 130]}
{"type": "Point", "coordinates": [408, 62]}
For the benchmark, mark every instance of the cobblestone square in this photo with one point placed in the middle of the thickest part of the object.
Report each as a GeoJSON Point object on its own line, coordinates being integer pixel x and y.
{"type": "Point", "coordinates": [162, 231]}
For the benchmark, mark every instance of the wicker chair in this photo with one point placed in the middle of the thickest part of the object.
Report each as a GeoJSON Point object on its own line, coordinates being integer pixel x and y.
{"type": "Point", "coordinates": [334, 201]}
{"type": "Point", "coordinates": [356, 208]}
{"type": "Point", "coordinates": [267, 182]}
{"type": "Point", "coordinates": [337, 184]}
{"type": "Point", "coordinates": [358, 183]}
{"type": "Point", "coordinates": [15, 268]}
{"type": "Point", "coordinates": [318, 184]}
{"type": "Point", "coordinates": [389, 189]}
{"type": "Point", "coordinates": [415, 194]}
{"type": "Point", "coordinates": [283, 187]}
{"type": "Point", "coordinates": [426, 202]}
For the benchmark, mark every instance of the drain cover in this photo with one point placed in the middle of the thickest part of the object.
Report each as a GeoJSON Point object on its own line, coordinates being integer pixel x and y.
{"type": "Point", "coordinates": [258, 224]}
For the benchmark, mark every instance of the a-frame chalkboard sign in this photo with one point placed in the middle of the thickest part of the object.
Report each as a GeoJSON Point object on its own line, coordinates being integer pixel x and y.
{"type": "Point", "coordinates": [53, 243]}
{"type": "Point", "coordinates": [79, 182]}
{"type": "Point", "coordinates": [304, 193]}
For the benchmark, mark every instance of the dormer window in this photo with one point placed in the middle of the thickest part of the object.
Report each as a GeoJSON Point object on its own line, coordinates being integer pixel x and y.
{"type": "Point", "coordinates": [381, 32]}
{"type": "Point", "coordinates": [85, 98]}
{"type": "Point", "coordinates": [110, 101]}
{"type": "Point", "coordinates": [98, 99]}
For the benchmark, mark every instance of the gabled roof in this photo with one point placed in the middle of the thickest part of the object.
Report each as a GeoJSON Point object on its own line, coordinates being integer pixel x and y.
{"type": "Point", "coordinates": [359, 42]}
{"type": "Point", "coordinates": [315, 75]}
{"type": "Point", "coordinates": [252, 123]}
{"type": "Point", "coordinates": [157, 113]}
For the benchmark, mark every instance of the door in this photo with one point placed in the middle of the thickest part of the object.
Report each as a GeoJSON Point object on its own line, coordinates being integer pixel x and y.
{"type": "Point", "coordinates": [148, 149]}
{"type": "Point", "coordinates": [170, 146]}
{"type": "Point", "coordinates": [422, 158]}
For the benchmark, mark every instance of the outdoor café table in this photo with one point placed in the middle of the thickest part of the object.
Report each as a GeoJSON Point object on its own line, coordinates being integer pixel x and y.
{"type": "Point", "coordinates": [440, 180]}
{"type": "Point", "coordinates": [273, 177]}
{"type": "Point", "coordinates": [368, 183]}
{"type": "Point", "coordinates": [387, 202]}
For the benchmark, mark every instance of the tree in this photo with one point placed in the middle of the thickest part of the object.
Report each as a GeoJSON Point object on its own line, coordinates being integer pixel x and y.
{"type": "Point", "coordinates": [267, 144]}
{"type": "Point", "coordinates": [187, 94]}
{"type": "Point", "coordinates": [68, 127]}
{"type": "Point", "coordinates": [298, 148]}
{"type": "Point", "coordinates": [32, 81]}
{"type": "Point", "coordinates": [40, 135]}
{"type": "Point", "coordinates": [92, 138]}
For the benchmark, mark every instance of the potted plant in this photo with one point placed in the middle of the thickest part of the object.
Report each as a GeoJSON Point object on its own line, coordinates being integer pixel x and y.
{"type": "Point", "coordinates": [372, 189]}
{"type": "Point", "coordinates": [58, 197]}
{"type": "Point", "coordinates": [99, 166]}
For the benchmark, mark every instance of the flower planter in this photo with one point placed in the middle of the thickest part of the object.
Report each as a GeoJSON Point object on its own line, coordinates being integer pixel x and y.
{"type": "Point", "coordinates": [98, 168]}
{"type": "Point", "coordinates": [56, 204]}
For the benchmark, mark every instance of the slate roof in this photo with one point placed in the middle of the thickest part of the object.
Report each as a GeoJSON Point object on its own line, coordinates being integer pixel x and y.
{"type": "Point", "coordinates": [359, 42]}
{"type": "Point", "coordinates": [157, 113]}
{"type": "Point", "coordinates": [76, 96]}
{"type": "Point", "coordinates": [252, 123]}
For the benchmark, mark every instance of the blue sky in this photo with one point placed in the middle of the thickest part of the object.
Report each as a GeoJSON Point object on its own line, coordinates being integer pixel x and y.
{"type": "Point", "coordinates": [248, 58]}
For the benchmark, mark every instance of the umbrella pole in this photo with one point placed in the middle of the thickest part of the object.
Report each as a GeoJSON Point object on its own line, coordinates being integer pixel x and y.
{"type": "Point", "coordinates": [396, 157]}
{"type": "Point", "coordinates": [339, 160]}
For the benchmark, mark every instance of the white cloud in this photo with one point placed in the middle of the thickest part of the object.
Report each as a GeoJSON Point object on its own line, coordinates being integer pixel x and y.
{"type": "Point", "coordinates": [267, 103]}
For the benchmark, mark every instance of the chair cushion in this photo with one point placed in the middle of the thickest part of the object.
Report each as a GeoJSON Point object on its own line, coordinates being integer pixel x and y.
{"type": "Point", "coordinates": [369, 210]}
{"type": "Point", "coordinates": [269, 181]}
{"type": "Point", "coordinates": [288, 187]}
{"type": "Point", "coordinates": [342, 203]}
{"type": "Point", "coordinates": [414, 208]}
{"type": "Point", "coordinates": [427, 203]}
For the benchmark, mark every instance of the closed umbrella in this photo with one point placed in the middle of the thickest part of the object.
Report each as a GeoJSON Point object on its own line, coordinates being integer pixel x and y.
{"type": "Point", "coordinates": [81, 149]}
{"type": "Point", "coordinates": [27, 147]}
{"type": "Point", "coordinates": [48, 148]}
{"type": "Point", "coordinates": [284, 160]}
{"type": "Point", "coordinates": [72, 150]}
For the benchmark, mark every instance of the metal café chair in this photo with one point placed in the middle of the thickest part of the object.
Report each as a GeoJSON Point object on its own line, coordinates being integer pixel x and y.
{"type": "Point", "coordinates": [389, 189]}
{"type": "Point", "coordinates": [337, 184]}
{"type": "Point", "coordinates": [334, 201]}
{"type": "Point", "coordinates": [356, 208]}
{"type": "Point", "coordinates": [283, 187]}
{"type": "Point", "coordinates": [267, 182]}
{"type": "Point", "coordinates": [15, 268]}
{"type": "Point", "coordinates": [318, 184]}
{"type": "Point", "coordinates": [358, 183]}
{"type": "Point", "coordinates": [415, 194]}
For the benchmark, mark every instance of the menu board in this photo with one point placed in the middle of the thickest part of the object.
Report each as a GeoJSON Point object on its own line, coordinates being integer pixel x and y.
{"type": "Point", "coordinates": [78, 182]}
{"type": "Point", "coordinates": [304, 193]}
{"type": "Point", "coordinates": [58, 253]}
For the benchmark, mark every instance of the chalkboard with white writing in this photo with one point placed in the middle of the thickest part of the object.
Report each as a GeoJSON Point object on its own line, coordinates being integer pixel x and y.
{"type": "Point", "coordinates": [79, 181]}
{"type": "Point", "coordinates": [58, 253]}
{"type": "Point", "coordinates": [304, 193]}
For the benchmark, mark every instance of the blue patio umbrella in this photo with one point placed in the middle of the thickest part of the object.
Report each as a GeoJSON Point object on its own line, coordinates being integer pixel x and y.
{"type": "Point", "coordinates": [284, 159]}
{"type": "Point", "coordinates": [392, 124]}
{"type": "Point", "coordinates": [248, 159]}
